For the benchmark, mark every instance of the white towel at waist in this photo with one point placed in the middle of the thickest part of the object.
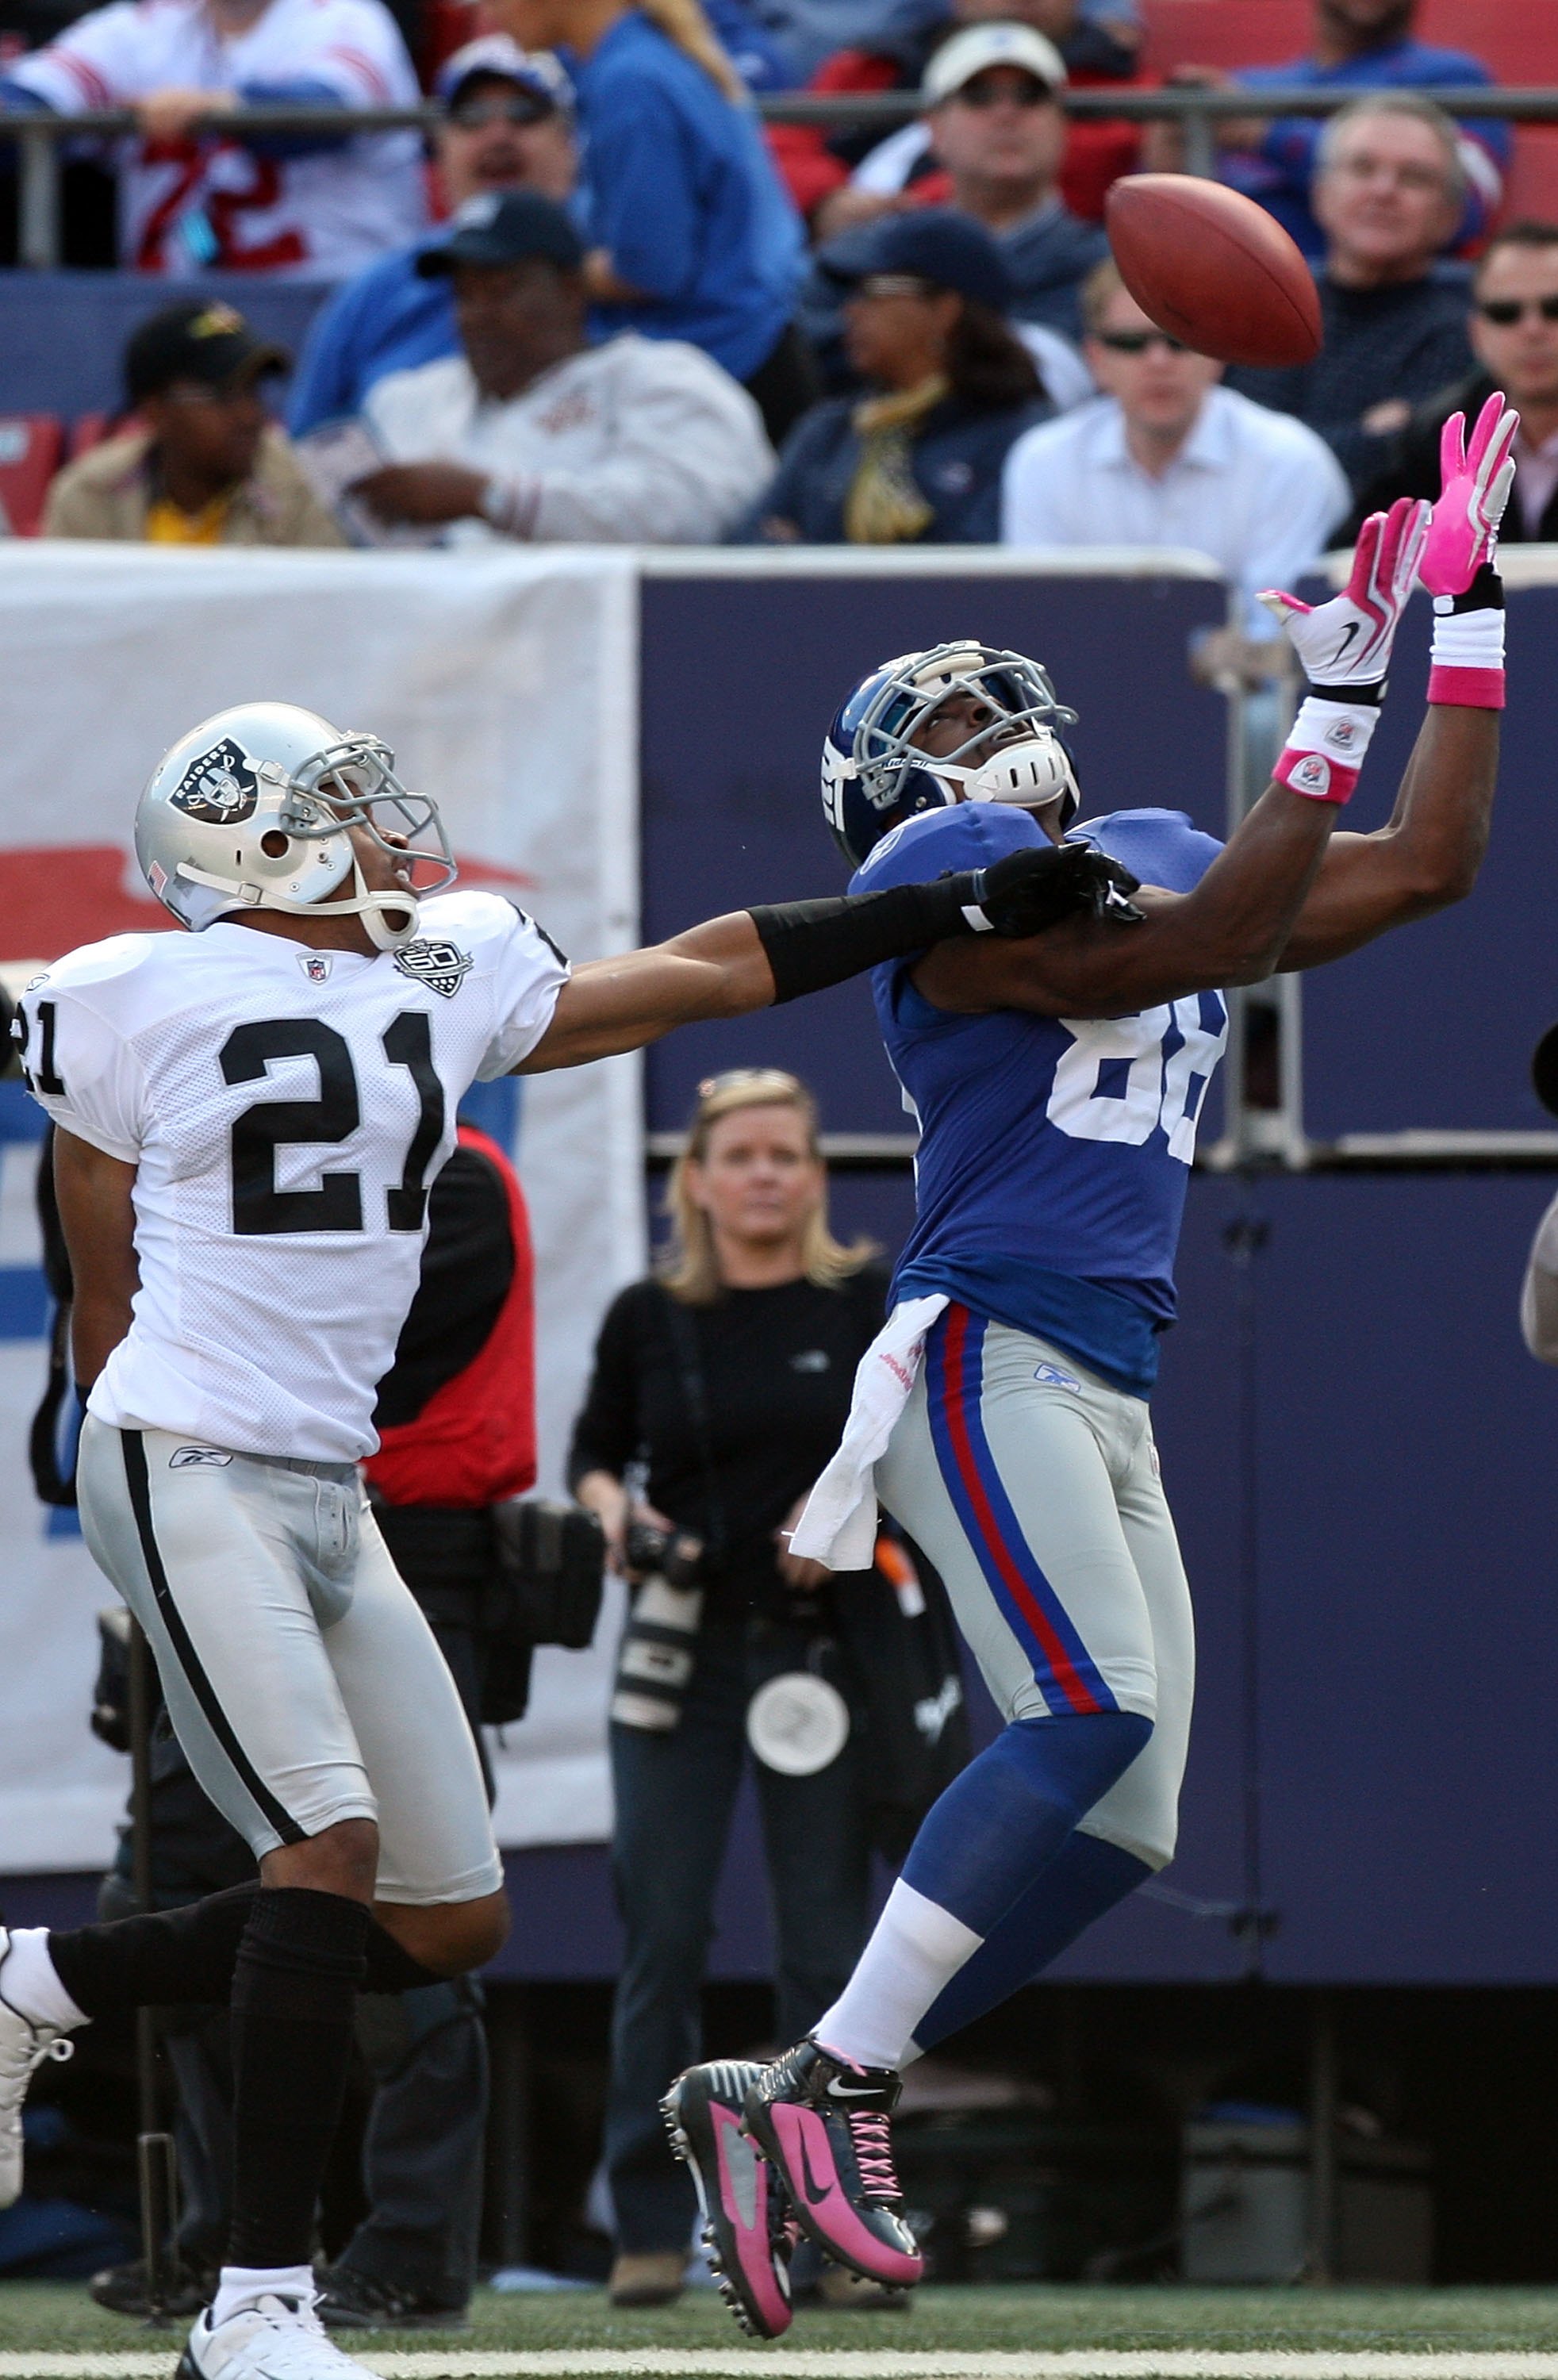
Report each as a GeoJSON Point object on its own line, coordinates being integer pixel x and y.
{"type": "Point", "coordinates": [838, 1526]}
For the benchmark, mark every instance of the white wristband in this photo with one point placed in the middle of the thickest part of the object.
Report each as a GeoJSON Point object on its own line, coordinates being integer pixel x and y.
{"type": "Point", "coordinates": [1465, 662]}
{"type": "Point", "coordinates": [1466, 639]}
{"type": "Point", "coordinates": [1325, 747]}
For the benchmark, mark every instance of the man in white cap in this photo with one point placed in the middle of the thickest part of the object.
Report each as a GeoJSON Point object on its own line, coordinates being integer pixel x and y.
{"type": "Point", "coordinates": [508, 125]}
{"type": "Point", "coordinates": [989, 143]}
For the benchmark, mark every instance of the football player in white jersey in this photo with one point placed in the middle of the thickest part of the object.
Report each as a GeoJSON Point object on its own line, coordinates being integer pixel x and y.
{"type": "Point", "coordinates": [248, 1116]}
{"type": "Point", "coordinates": [192, 199]}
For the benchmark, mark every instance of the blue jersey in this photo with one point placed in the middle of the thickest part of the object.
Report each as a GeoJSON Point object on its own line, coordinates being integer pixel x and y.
{"type": "Point", "coordinates": [1055, 1154]}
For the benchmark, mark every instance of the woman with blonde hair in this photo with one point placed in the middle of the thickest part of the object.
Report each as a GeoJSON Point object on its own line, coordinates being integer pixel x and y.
{"type": "Point", "coordinates": [693, 236]}
{"type": "Point", "coordinates": [722, 1384]}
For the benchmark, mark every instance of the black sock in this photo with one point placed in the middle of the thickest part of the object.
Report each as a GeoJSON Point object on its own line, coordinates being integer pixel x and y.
{"type": "Point", "coordinates": [161, 1959]}
{"type": "Point", "coordinates": [175, 1956]}
{"type": "Point", "coordinates": [300, 1965]}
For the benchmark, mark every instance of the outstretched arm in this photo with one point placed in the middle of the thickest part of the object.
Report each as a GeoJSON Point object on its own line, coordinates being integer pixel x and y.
{"type": "Point", "coordinates": [717, 969]}
{"type": "Point", "coordinates": [730, 966]}
{"type": "Point", "coordinates": [1429, 852]}
{"type": "Point", "coordinates": [1426, 858]}
{"type": "Point", "coordinates": [1234, 927]}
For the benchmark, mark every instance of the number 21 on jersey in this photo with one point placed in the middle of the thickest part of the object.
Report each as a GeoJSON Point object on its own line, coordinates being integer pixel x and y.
{"type": "Point", "coordinates": [1123, 1077]}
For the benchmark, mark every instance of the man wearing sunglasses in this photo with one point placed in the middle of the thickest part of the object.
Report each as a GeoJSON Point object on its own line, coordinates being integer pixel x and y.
{"type": "Point", "coordinates": [1165, 457]}
{"type": "Point", "coordinates": [508, 125]}
{"type": "Point", "coordinates": [1513, 332]}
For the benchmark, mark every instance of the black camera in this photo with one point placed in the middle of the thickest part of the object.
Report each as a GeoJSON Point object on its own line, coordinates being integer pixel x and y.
{"type": "Point", "coordinates": [671, 1554]}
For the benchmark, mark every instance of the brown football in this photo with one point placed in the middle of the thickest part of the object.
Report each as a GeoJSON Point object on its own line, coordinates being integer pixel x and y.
{"type": "Point", "coordinates": [1214, 269]}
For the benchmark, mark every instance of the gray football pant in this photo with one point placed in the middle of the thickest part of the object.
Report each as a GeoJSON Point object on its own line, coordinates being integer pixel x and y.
{"type": "Point", "coordinates": [301, 1679]}
{"type": "Point", "coordinates": [1034, 1488]}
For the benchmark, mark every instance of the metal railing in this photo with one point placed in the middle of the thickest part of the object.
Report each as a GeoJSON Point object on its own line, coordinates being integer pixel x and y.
{"type": "Point", "coordinates": [39, 138]}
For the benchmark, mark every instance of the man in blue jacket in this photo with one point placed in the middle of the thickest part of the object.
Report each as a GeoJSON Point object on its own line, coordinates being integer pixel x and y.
{"type": "Point", "coordinates": [1359, 45]}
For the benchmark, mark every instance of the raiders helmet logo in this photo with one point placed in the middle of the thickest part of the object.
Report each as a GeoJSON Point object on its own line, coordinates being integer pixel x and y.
{"type": "Point", "coordinates": [440, 966]}
{"type": "Point", "coordinates": [219, 789]}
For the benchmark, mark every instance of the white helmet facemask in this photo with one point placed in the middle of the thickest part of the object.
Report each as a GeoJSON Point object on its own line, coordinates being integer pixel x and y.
{"type": "Point", "coordinates": [255, 808]}
{"type": "Point", "coordinates": [1030, 773]}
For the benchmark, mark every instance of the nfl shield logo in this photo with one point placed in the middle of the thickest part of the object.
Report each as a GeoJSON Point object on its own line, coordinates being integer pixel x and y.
{"type": "Point", "coordinates": [315, 966]}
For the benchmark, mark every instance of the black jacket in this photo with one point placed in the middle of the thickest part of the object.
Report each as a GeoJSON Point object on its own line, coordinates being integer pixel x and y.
{"type": "Point", "coordinates": [1402, 341]}
{"type": "Point", "coordinates": [1411, 466]}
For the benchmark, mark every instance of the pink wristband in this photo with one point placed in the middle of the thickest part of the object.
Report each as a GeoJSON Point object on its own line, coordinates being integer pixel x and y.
{"type": "Point", "coordinates": [1473, 689]}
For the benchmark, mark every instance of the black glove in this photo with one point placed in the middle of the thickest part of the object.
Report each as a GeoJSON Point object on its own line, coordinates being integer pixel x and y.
{"type": "Point", "coordinates": [809, 944]}
{"type": "Point", "coordinates": [1028, 891]}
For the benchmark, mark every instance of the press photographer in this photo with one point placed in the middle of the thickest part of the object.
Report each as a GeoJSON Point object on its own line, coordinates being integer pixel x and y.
{"type": "Point", "coordinates": [720, 1389]}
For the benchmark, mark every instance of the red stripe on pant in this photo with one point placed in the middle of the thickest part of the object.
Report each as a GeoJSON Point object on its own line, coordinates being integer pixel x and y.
{"type": "Point", "coordinates": [1081, 1697]}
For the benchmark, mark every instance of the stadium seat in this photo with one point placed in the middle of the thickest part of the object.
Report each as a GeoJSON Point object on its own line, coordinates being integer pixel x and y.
{"type": "Point", "coordinates": [1517, 40]}
{"type": "Point", "coordinates": [30, 448]}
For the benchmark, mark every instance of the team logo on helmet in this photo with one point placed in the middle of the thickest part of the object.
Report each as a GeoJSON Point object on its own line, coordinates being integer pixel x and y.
{"type": "Point", "coordinates": [219, 789]}
{"type": "Point", "coordinates": [440, 966]}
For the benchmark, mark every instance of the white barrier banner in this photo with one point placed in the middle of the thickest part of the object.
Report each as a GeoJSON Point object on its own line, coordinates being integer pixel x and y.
{"type": "Point", "coordinates": [506, 685]}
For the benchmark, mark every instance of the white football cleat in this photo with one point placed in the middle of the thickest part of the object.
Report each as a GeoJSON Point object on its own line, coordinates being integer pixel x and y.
{"type": "Point", "coordinates": [275, 2338]}
{"type": "Point", "coordinates": [23, 2048]}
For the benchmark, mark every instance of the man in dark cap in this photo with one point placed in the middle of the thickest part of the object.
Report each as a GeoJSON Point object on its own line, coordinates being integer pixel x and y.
{"type": "Point", "coordinates": [202, 463]}
{"type": "Point", "coordinates": [530, 432]}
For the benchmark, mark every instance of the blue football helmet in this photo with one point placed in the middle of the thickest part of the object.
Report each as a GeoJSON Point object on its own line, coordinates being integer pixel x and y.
{"type": "Point", "coordinates": [873, 777]}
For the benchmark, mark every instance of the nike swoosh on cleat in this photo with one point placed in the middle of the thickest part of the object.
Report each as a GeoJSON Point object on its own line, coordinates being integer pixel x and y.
{"type": "Point", "coordinates": [815, 2197]}
{"type": "Point", "coordinates": [838, 2091]}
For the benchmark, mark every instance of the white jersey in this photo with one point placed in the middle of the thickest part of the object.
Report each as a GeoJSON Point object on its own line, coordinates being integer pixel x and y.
{"type": "Point", "coordinates": [285, 1109]}
{"type": "Point", "coordinates": [638, 440]}
{"type": "Point", "coordinates": [187, 205]}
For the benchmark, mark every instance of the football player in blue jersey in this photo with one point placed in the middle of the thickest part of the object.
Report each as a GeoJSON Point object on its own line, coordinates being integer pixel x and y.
{"type": "Point", "coordinates": [1003, 1415]}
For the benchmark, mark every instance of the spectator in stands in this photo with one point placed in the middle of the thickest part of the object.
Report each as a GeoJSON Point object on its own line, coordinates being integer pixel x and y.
{"type": "Point", "coordinates": [1514, 338]}
{"type": "Point", "coordinates": [204, 464]}
{"type": "Point", "coordinates": [814, 32]}
{"type": "Point", "coordinates": [311, 205]}
{"type": "Point", "coordinates": [918, 460]}
{"type": "Point", "coordinates": [817, 164]}
{"type": "Point", "coordinates": [1387, 189]}
{"type": "Point", "coordinates": [1358, 45]}
{"type": "Point", "coordinates": [507, 124]}
{"type": "Point", "coordinates": [692, 236]}
{"type": "Point", "coordinates": [1166, 457]}
{"type": "Point", "coordinates": [993, 126]}
{"type": "Point", "coordinates": [531, 433]}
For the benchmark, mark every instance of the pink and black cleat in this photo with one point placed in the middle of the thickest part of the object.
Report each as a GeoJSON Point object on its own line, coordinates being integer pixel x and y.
{"type": "Point", "coordinates": [746, 2223]}
{"type": "Point", "coordinates": [823, 2123]}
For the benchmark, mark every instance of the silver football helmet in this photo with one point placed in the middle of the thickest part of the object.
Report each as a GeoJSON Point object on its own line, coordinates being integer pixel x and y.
{"type": "Point", "coordinates": [254, 807]}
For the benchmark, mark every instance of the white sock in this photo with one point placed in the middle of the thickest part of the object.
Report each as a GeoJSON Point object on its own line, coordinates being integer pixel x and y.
{"type": "Point", "coordinates": [29, 1984]}
{"type": "Point", "coordinates": [244, 2285]}
{"type": "Point", "coordinates": [910, 1959]}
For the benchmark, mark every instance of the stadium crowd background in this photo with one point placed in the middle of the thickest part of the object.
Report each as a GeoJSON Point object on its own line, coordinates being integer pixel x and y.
{"type": "Point", "coordinates": [644, 318]}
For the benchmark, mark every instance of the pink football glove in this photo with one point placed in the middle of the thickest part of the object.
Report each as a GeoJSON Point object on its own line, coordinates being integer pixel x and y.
{"type": "Point", "coordinates": [1476, 481]}
{"type": "Point", "coordinates": [1346, 644]}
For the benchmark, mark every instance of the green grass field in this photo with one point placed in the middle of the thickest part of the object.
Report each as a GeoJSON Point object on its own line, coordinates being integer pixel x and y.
{"type": "Point", "coordinates": [37, 2315]}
